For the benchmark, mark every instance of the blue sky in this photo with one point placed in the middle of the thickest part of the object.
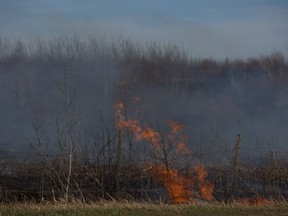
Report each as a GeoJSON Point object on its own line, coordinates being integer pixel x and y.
{"type": "Point", "coordinates": [210, 28]}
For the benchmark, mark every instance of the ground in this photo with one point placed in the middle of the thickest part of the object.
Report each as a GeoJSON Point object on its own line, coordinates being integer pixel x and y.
{"type": "Point", "coordinates": [145, 209]}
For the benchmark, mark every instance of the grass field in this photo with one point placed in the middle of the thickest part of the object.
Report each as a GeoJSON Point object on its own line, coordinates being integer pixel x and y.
{"type": "Point", "coordinates": [125, 209]}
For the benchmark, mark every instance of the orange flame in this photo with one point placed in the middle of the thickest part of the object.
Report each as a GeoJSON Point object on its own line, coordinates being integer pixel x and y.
{"type": "Point", "coordinates": [180, 141]}
{"type": "Point", "coordinates": [152, 136]}
{"type": "Point", "coordinates": [176, 128]}
{"type": "Point", "coordinates": [179, 188]}
{"type": "Point", "coordinates": [148, 134]}
{"type": "Point", "coordinates": [120, 118]}
{"type": "Point", "coordinates": [182, 149]}
{"type": "Point", "coordinates": [120, 106]}
{"type": "Point", "coordinates": [133, 125]}
{"type": "Point", "coordinates": [205, 187]}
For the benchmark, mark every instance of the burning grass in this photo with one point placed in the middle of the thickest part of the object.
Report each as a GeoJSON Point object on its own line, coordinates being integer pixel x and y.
{"type": "Point", "coordinates": [205, 187]}
{"type": "Point", "coordinates": [165, 175]}
{"type": "Point", "coordinates": [179, 188]}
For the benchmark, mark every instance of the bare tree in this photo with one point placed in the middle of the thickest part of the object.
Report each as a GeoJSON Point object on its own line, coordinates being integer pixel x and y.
{"type": "Point", "coordinates": [68, 135]}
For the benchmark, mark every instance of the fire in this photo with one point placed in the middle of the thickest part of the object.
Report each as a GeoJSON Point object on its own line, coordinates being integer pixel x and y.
{"type": "Point", "coordinates": [120, 118]}
{"type": "Point", "coordinates": [175, 126]}
{"type": "Point", "coordinates": [175, 129]}
{"type": "Point", "coordinates": [122, 122]}
{"type": "Point", "coordinates": [205, 187]}
{"type": "Point", "coordinates": [151, 136]}
{"type": "Point", "coordinates": [182, 149]}
{"type": "Point", "coordinates": [120, 106]}
{"type": "Point", "coordinates": [147, 134]}
{"type": "Point", "coordinates": [179, 188]}
{"type": "Point", "coordinates": [132, 125]}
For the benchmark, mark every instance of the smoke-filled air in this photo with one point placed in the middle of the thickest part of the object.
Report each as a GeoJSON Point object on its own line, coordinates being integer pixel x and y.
{"type": "Point", "coordinates": [151, 101]}
{"type": "Point", "coordinates": [214, 99]}
{"type": "Point", "coordinates": [150, 107]}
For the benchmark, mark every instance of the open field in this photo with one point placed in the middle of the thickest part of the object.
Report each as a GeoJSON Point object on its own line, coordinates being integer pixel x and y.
{"type": "Point", "coordinates": [140, 209]}
{"type": "Point", "coordinates": [140, 123]}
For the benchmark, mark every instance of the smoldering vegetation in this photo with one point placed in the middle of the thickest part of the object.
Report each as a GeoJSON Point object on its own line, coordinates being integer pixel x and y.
{"type": "Point", "coordinates": [58, 102]}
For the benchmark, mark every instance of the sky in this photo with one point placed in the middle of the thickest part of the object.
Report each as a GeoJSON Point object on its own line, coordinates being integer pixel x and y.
{"type": "Point", "coordinates": [206, 28]}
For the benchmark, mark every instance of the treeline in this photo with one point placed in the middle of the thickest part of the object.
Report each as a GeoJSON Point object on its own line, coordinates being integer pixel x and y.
{"type": "Point", "coordinates": [26, 65]}
{"type": "Point", "coordinates": [150, 62]}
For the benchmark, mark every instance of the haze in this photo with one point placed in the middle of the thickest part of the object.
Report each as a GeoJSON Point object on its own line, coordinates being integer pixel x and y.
{"type": "Point", "coordinates": [164, 51]}
{"type": "Point", "coordinates": [208, 28]}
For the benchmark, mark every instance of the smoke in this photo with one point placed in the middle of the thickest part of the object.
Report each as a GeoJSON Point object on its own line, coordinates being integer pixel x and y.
{"type": "Point", "coordinates": [213, 100]}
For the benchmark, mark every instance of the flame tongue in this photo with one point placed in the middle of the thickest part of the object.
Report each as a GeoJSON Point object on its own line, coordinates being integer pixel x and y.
{"type": "Point", "coordinates": [179, 188]}
{"type": "Point", "coordinates": [205, 187]}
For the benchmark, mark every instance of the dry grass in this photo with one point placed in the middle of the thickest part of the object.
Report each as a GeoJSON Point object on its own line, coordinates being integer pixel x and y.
{"type": "Point", "coordinates": [133, 208]}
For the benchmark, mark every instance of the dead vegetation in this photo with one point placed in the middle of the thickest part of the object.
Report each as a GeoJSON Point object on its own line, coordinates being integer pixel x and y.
{"type": "Point", "coordinates": [129, 157]}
